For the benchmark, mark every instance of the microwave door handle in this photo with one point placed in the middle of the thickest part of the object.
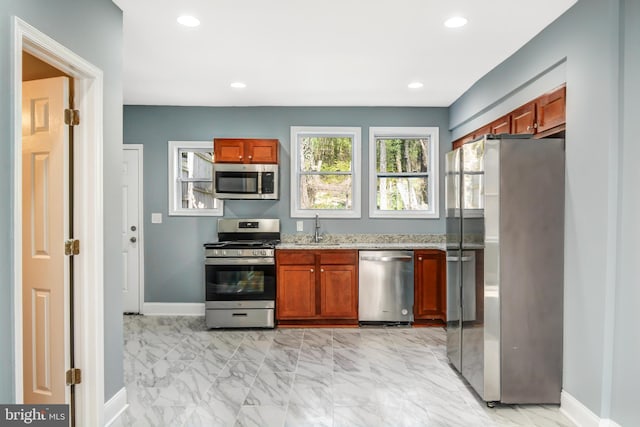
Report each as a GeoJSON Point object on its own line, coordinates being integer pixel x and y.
{"type": "Point", "coordinates": [259, 189]}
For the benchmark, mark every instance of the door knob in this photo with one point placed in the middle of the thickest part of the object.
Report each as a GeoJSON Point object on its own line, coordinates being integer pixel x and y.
{"type": "Point", "coordinates": [133, 240]}
{"type": "Point", "coordinates": [133, 228]}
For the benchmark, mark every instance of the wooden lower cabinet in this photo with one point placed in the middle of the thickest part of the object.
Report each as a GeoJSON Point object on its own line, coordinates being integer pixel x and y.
{"type": "Point", "coordinates": [317, 287]}
{"type": "Point", "coordinates": [296, 300]}
{"type": "Point", "coordinates": [430, 292]}
{"type": "Point", "coordinates": [338, 296]}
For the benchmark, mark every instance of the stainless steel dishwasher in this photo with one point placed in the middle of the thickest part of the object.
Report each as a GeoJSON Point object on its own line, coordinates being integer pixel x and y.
{"type": "Point", "coordinates": [385, 287]}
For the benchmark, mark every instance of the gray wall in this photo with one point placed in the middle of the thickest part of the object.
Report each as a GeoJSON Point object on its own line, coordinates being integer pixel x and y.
{"type": "Point", "coordinates": [173, 249]}
{"type": "Point", "coordinates": [93, 30]}
{"type": "Point", "coordinates": [582, 47]}
{"type": "Point", "coordinates": [626, 369]}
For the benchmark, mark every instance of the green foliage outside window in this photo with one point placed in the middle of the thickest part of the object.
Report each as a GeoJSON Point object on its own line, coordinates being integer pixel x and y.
{"type": "Point", "coordinates": [325, 175]}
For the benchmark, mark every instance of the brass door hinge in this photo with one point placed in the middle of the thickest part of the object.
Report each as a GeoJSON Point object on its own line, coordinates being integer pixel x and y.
{"type": "Point", "coordinates": [74, 376]}
{"type": "Point", "coordinates": [72, 247]}
{"type": "Point", "coordinates": [71, 117]}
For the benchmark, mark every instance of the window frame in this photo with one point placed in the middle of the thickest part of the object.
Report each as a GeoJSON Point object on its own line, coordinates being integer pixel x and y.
{"type": "Point", "coordinates": [433, 180]}
{"type": "Point", "coordinates": [355, 133]}
{"type": "Point", "coordinates": [175, 196]}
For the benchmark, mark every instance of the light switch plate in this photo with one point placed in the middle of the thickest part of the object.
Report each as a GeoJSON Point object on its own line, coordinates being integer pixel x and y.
{"type": "Point", "coordinates": [156, 218]}
{"type": "Point", "coordinates": [300, 225]}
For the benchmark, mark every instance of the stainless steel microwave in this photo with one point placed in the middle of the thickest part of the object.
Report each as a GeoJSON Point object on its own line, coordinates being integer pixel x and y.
{"type": "Point", "coordinates": [245, 181]}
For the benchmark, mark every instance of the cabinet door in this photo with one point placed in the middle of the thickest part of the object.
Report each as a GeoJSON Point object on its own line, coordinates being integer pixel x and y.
{"type": "Point", "coordinates": [338, 291]}
{"type": "Point", "coordinates": [228, 150]}
{"type": "Point", "coordinates": [550, 109]}
{"type": "Point", "coordinates": [523, 119]}
{"type": "Point", "coordinates": [430, 289]}
{"type": "Point", "coordinates": [296, 291]}
{"type": "Point", "coordinates": [262, 151]}
{"type": "Point", "coordinates": [482, 131]}
{"type": "Point", "coordinates": [502, 125]}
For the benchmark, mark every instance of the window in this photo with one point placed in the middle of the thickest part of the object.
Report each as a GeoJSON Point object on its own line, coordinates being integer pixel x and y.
{"type": "Point", "coordinates": [403, 164]}
{"type": "Point", "coordinates": [325, 172]}
{"type": "Point", "coordinates": [191, 179]}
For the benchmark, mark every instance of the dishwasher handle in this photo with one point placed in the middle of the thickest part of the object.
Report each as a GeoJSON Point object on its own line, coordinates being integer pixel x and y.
{"type": "Point", "coordinates": [402, 258]}
{"type": "Point", "coordinates": [455, 258]}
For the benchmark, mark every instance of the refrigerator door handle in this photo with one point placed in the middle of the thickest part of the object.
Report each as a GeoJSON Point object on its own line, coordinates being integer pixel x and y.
{"type": "Point", "coordinates": [387, 258]}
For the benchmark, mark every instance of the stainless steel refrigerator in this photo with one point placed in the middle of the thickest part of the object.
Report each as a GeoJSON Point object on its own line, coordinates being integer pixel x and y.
{"type": "Point", "coordinates": [505, 244]}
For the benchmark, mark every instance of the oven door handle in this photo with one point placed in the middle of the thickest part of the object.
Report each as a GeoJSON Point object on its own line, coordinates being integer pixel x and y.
{"type": "Point", "coordinates": [240, 261]}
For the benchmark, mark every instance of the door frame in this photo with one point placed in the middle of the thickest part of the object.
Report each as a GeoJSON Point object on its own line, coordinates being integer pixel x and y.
{"type": "Point", "coordinates": [140, 149]}
{"type": "Point", "coordinates": [88, 215]}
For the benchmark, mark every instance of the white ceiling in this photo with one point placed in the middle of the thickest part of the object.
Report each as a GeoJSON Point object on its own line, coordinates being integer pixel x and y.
{"type": "Point", "coordinates": [320, 53]}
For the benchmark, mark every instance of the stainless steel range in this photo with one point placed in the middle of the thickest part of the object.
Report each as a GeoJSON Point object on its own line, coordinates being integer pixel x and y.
{"type": "Point", "coordinates": [240, 274]}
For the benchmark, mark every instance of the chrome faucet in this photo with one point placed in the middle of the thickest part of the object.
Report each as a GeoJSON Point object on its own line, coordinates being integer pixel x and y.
{"type": "Point", "coordinates": [316, 235]}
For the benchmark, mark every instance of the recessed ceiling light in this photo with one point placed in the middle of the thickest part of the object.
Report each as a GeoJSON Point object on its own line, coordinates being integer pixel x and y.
{"type": "Point", "coordinates": [455, 22]}
{"type": "Point", "coordinates": [415, 85]}
{"type": "Point", "coordinates": [188, 21]}
{"type": "Point", "coordinates": [238, 85]}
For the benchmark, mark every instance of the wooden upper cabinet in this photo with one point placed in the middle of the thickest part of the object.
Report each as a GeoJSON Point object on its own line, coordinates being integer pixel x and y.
{"type": "Point", "coordinates": [551, 109]}
{"type": "Point", "coordinates": [542, 117]}
{"type": "Point", "coordinates": [500, 126]}
{"type": "Point", "coordinates": [241, 150]}
{"type": "Point", "coordinates": [482, 131]}
{"type": "Point", "coordinates": [523, 120]}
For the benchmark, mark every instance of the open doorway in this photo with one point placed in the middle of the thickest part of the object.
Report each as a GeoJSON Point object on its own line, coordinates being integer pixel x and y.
{"type": "Point", "coordinates": [34, 223]}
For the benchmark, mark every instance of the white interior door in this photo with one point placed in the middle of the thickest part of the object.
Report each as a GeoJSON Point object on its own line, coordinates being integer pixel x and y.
{"type": "Point", "coordinates": [131, 231]}
{"type": "Point", "coordinates": [45, 225]}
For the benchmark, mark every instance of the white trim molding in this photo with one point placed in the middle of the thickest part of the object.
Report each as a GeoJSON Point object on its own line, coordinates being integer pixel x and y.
{"type": "Point", "coordinates": [175, 188]}
{"type": "Point", "coordinates": [115, 407]}
{"type": "Point", "coordinates": [432, 174]}
{"type": "Point", "coordinates": [355, 133]}
{"type": "Point", "coordinates": [140, 149]}
{"type": "Point", "coordinates": [173, 309]}
{"type": "Point", "coordinates": [88, 215]}
{"type": "Point", "coordinates": [582, 416]}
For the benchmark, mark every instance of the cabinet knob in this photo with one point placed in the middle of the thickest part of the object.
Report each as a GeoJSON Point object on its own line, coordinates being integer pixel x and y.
{"type": "Point", "coordinates": [250, 157]}
{"type": "Point", "coordinates": [240, 157]}
{"type": "Point", "coordinates": [322, 270]}
{"type": "Point", "coordinates": [419, 258]}
{"type": "Point", "coordinates": [311, 270]}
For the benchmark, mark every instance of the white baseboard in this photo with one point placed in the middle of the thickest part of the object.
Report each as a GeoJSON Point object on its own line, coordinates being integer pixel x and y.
{"type": "Point", "coordinates": [115, 406]}
{"type": "Point", "coordinates": [173, 309]}
{"type": "Point", "coordinates": [582, 416]}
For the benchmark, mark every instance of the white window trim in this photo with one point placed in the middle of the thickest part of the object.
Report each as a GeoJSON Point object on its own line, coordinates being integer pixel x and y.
{"type": "Point", "coordinates": [174, 203]}
{"type": "Point", "coordinates": [355, 133]}
{"type": "Point", "coordinates": [434, 159]}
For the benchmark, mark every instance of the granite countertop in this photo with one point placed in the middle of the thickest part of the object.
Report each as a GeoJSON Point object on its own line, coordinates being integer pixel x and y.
{"type": "Point", "coordinates": [364, 241]}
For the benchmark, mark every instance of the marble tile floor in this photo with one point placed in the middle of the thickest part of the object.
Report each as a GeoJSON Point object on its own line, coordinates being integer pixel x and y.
{"type": "Point", "coordinates": [178, 373]}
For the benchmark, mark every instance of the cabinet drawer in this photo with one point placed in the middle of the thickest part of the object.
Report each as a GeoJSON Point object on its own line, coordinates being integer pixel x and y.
{"type": "Point", "coordinates": [338, 257]}
{"type": "Point", "coordinates": [295, 257]}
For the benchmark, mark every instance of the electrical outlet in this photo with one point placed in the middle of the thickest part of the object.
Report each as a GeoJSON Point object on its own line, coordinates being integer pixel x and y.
{"type": "Point", "coordinates": [300, 225]}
